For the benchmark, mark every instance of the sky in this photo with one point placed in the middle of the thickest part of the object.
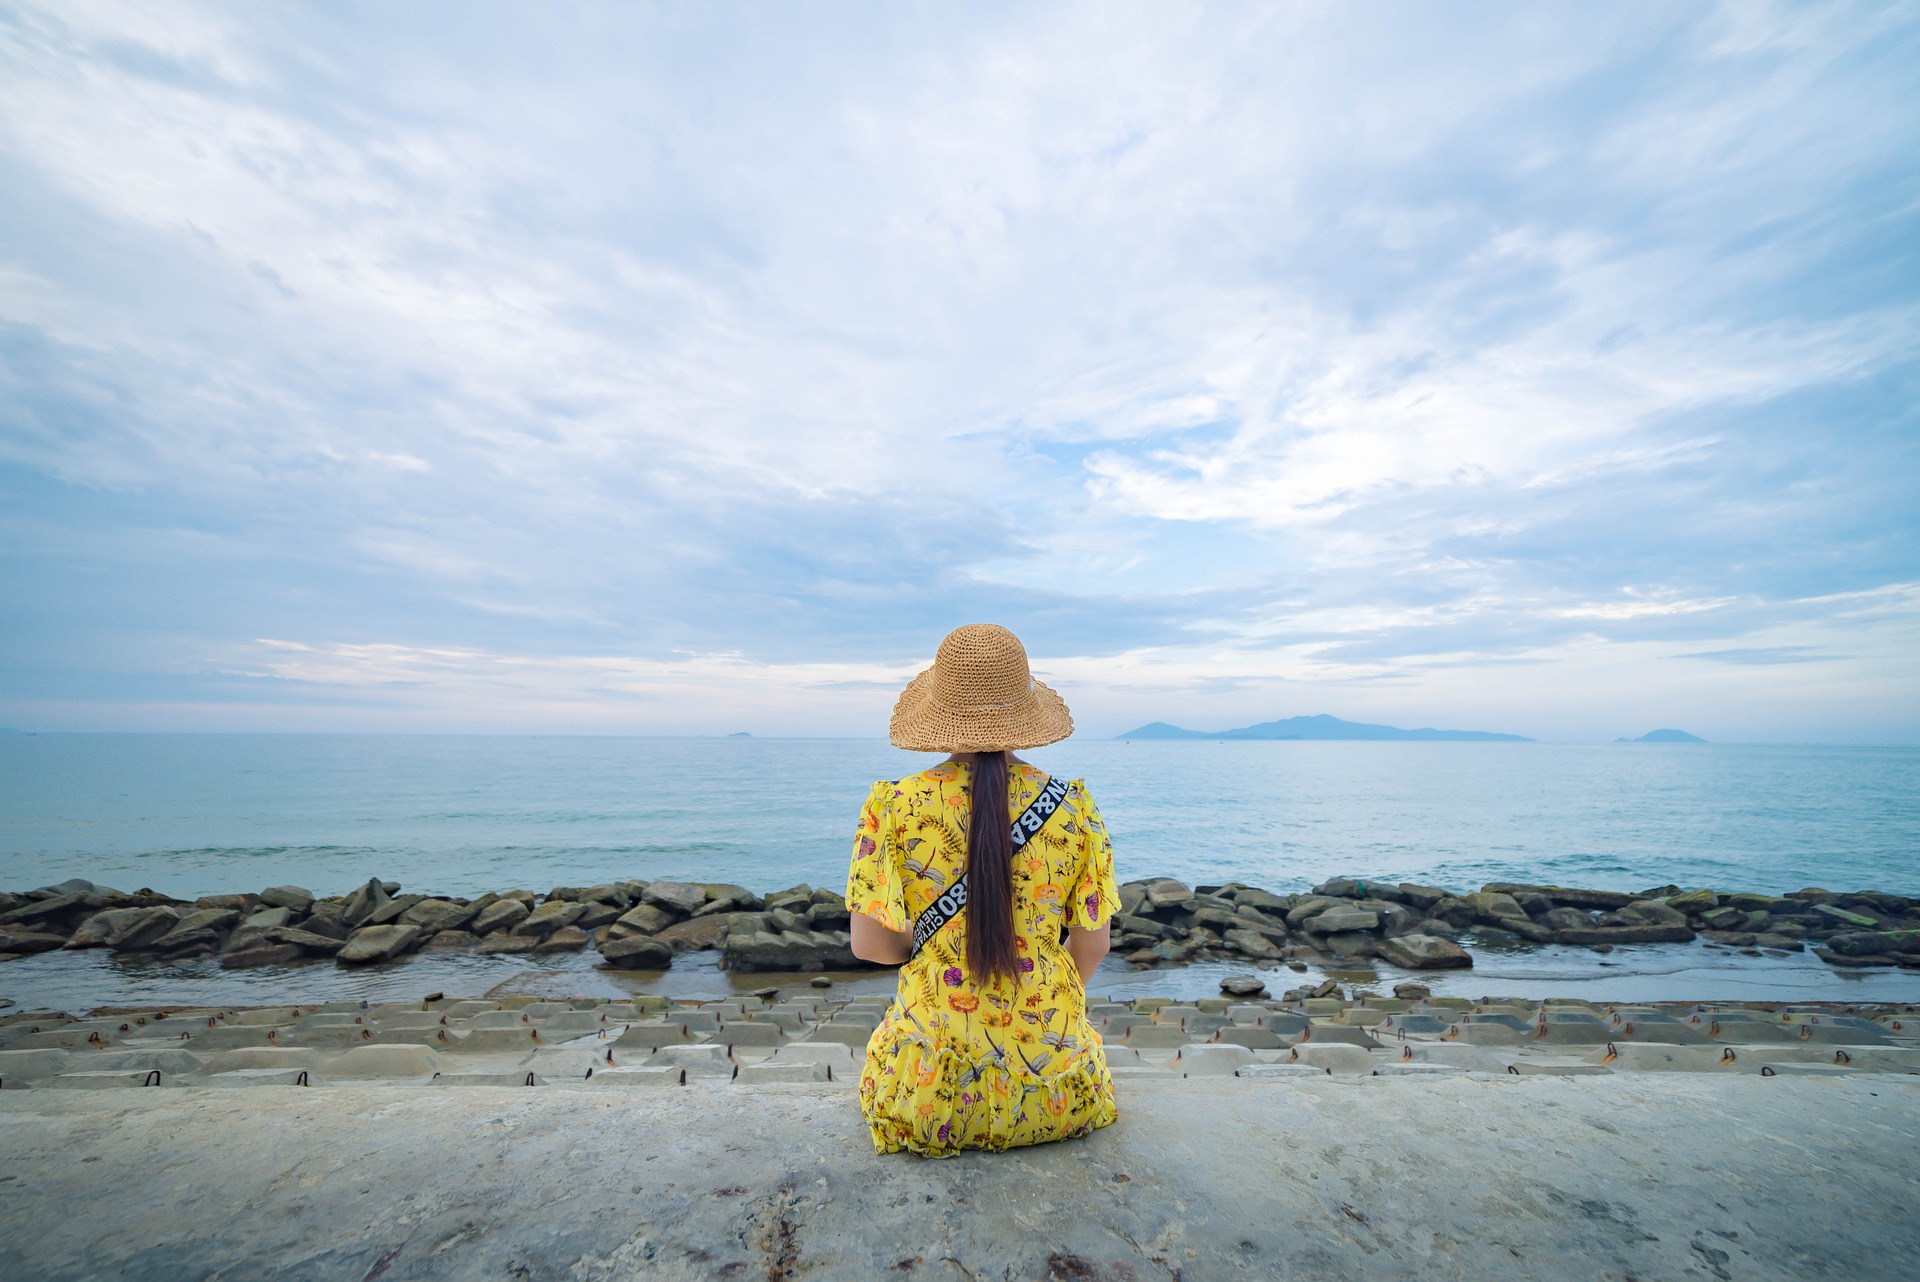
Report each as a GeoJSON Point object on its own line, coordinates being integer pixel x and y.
{"type": "Point", "coordinates": [685, 369]}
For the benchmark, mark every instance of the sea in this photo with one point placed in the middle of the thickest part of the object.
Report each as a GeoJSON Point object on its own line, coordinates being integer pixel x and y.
{"type": "Point", "coordinates": [204, 814]}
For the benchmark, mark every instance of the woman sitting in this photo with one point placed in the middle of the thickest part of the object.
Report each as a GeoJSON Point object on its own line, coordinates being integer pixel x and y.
{"type": "Point", "coordinates": [992, 884]}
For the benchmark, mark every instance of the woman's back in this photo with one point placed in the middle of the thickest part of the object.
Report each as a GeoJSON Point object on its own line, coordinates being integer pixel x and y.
{"type": "Point", "coordinates": [966, 1059]}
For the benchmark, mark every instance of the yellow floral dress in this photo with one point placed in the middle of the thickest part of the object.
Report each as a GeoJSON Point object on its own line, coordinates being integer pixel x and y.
{"type": "Point", "coordinates": [957, 1063]}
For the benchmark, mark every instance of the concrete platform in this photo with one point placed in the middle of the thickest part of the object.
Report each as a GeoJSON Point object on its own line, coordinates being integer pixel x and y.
{"type": "Point", "coordinates": [1328, 1178]}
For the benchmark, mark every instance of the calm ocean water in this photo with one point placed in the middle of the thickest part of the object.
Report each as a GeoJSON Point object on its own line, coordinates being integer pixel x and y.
{"type": "Point", "coordinates": [199, 814]}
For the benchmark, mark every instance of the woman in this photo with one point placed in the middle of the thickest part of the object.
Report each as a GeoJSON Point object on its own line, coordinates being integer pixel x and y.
{"type": "Point", "coordinates": [1005, 879]}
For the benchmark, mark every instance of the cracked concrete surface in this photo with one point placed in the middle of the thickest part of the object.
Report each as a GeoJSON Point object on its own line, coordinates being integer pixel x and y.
{"type": "Point", "coordinates": [1649, 1177]}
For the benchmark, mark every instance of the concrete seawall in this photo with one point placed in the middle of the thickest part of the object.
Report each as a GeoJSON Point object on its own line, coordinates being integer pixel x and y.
{"type": "Point", "coordinates": [1651, 1176]}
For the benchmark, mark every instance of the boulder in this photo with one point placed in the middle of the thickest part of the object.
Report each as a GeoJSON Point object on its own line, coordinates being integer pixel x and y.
{"type": "Point", "coordinates": [100, 929]}
{"type": "Point", "coordinates": [267, 919]}
{"type": "Point", "coordinates": [595, 913]}
{"type": "Point", "coordinates": [548, 917]}
{"type": "Point", "coordinates": [1603, 900]}
{"type": "Point", "coordinates": [1844, 917]}
{"type": "Point", "coordinates": [1494, 905]}
{"type": "Point", "coordinates": [1260, 901]}
{"type": "Point", "coordinates": [503, 914]}
{"type": "Point", "coordinates": [1668, 934]}
{"type": "Point", "coordinates": [794, 898]}
{"type": "Point", "coordinates": [1423, 952]}
{"type": "Point", "coordinates": [141, 931]}
{"type": "Point", "coordinates": [708, 932]}
{"type": "Point", "coordinates": [1875, 943]}
{"type": "Point", "coordinates": [568, 939]}
{"type": "Point", "coordinates": [761, 951]}
{"type": "Point", "coordinates": [1339, 920]}
{"type": "Point", "coordinates": [1166, 893]}
{"type": "Point", "coordinates": [1350, 943]}
{"type": "Point", "coordinates": [39, 910]}
{"type": "Point", "coordinates": [1409, 991]}
{"type": "Point", "coordinates": [451, 941]}
{"type": "Point", "coordinates": [1724, 918]}
{"type": "Point", "coordinates": [637, 953]}
{"type": "Point", "coordinates": [683, 897]}
{"type": "Point", "coordinates": [1566, 919]}
{"type": "Point", "coordinates": [194, 927]}
{"type": "Point", "coordinates": [1416, 896]}
{"type": "Point", "coordinates": [435, 915]}
{"type": "Point", "coordinates": [1645, 912]}
{"type": "Point", "coordinates": [723, 897]}
{"type": "Point", "coordinates": [1341, 888]}
{"type": "Point", "coordinates": [1249, 943]}
{"type": "Point", "coordinates": [1300, 913]}
{"type": "Point", "coordinates": [1693, 901]}
{"type": "Point", "coordinates": [392, 909]}
{"type": "Point", "coordinates": [297, 898]}
{"type": "Point", "coordinates": [829, 917]}
{"type": "Point", "coordinates": [308, 941]}
{"type": "Point", "coordinates": [377, 944]}
{"type": "Point", "coordinates": [647, 919]}
{"type": "Point", "coordinates": [364, 902]}
{"type": "Point", "coordinates": [19, 941]}
{"type": "Point", "coordinates": [1244, 986]}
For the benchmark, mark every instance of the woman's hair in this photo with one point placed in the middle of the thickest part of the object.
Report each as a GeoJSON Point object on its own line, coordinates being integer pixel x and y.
{"type": "Point", "coordinates": [990, 950]}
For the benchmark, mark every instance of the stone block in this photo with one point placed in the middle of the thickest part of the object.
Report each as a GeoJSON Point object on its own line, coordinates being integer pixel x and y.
{"type": "Point", "coordinates": [372, 944]}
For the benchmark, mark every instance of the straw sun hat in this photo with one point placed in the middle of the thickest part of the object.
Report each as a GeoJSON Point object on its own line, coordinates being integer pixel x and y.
{"type": "Point", "coordinates": [978, 696]}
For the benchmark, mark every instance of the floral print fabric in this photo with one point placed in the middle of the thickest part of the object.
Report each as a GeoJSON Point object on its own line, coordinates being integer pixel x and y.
{"type": "Point", "coordinates": [958, 1063]}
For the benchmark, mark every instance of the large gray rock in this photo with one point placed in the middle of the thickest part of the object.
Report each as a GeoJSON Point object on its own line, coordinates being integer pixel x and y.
{"type": "Point", "coordinates": [308, 941]}
{"type": "Point", "coordinates": [196, 924]}
{"type": "Point", "coordinates": [1679, 934]}
{"type": "Point", "coordinates": [647, 919]}
{"type": "Point", "coordinates": [1301, 913]}
{"type": "Point", "coordinates": [141, 931]}
{"type": "Point", "coordinates": [1166, 893]}
{"type": "Point", "coordinates": [1249, 943]}
{"type": "Point", "coordinates": [1494, 905]}
{"type": "Point", "coordinates": [23, 940]}
{"type": "Point", "coordinates": [1647, 912]}
{"type": "Point", "coordinates": [377, 944]}
{"type": "Point", "coordinates": [1566, 919]}
{"type": "Point", "coordinates": [297, 898]}
{"type": "Point", "coordinates": [268, 918]}
{"type": "Point", "coordinates": [39, 910]}
{"type": "Point", "coordinates": [548, 917]}
{"type": "Point", "coordinates": [1338, 920]}
{"type": "Point", "coordinates": [1423, 952]}
{"type": "Point", "coordinates": [568, 939]}
{"type": "Point", "coordinates": [829, 916]}
{"type": "Point", "coordinates": [709, 932]}
{"type": "Point", "coordinates": [724, 897]}
{"type": "Point", "coordinates": [435, 915]}
{"type": "Point", "coordinates": [502, 914]}
{"type": "Point", "coordinates": [392, 909]}
{"type": "Point", "coordinates": [761, 951]}
{"type": "Point", "coordinates": [364, 902]}
{"type": "Point", "coordinates": [638, 952]}
{"type": "Point", "coordinates": [99, 930]}
{"type": "Point", "coordinates": [681, 896]}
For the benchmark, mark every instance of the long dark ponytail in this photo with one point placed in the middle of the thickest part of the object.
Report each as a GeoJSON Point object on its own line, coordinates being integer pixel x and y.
{"type": "Point", "coordinates": [990, 950]}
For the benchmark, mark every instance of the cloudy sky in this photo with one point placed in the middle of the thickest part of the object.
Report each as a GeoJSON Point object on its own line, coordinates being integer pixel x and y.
{"type": "Point", "coordinates": [1547, 369]}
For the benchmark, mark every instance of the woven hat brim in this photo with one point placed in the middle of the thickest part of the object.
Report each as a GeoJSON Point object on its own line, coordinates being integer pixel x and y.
{"type": "Point", "coordinates": [920, 724]}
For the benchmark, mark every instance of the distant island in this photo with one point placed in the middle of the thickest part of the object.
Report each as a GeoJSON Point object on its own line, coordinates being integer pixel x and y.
{"type": "Point", "coordinates": [1322, 727]}
{"type": "Point", "coordinates": [1664, 736]}
{"type": "Point", "coordinates": [738, 734]}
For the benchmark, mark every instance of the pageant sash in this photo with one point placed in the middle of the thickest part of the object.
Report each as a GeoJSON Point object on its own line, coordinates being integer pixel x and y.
{"type": "Point", "coordinates": [948, 905]}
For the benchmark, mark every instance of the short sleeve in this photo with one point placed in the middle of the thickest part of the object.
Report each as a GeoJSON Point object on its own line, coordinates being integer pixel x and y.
{"type": "Point", "coordinates": [1095, 895]}
{"type": "Point", "coordinates": [873, 882]}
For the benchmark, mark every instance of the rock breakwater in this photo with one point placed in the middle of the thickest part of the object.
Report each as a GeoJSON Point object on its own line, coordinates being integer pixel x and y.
{"type": "Point", "coordinates": [643, 925]}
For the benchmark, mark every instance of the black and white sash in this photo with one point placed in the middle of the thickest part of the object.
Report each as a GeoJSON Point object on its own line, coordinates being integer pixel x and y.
{"type": "Point", "coordinates": [948, 905]}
